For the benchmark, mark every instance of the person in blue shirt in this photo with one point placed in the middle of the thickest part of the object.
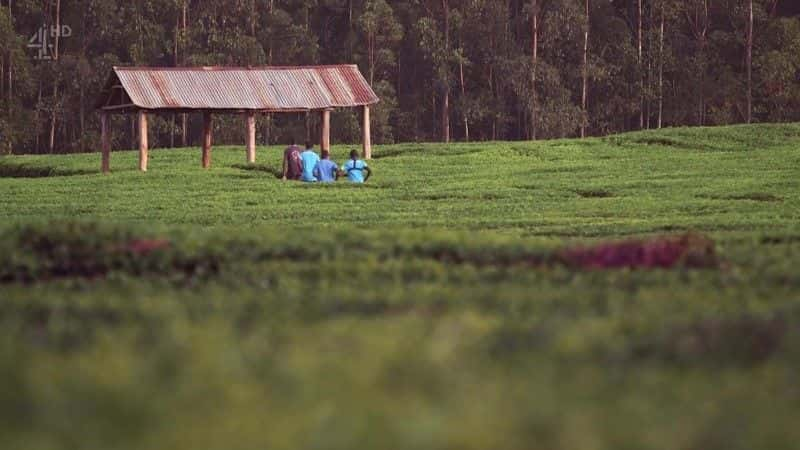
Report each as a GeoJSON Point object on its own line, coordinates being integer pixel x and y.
{"type": "Point", "coordinates": [355, 168]}
{"type": "Point", "coordinates": [326, 170]}
{"type": "Point", "coordinates": [309, 160]}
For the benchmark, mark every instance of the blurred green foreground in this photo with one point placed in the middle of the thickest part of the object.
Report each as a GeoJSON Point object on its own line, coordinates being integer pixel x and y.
{"type": "Point", "coordinates": [142, 311]}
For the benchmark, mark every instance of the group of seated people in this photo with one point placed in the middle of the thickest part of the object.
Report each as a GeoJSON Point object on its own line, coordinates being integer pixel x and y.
{"type": "Point", "coordinates": [307, 166]}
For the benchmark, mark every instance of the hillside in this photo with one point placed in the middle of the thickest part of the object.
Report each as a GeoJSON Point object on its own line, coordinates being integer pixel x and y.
{"type": "Point", "coordinates": [715, 179]}
{"type": "Point", "coordinates": [464, 299]}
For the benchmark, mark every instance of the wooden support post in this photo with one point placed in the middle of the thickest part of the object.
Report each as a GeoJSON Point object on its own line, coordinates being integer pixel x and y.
{"type": "Point", "coordinates": [367, 139]}
{"type": "Point", "coordinates": [105, 143]}
{"type": "Point", "coordinates": [325, 131]}
{"type": "Point", "coordinates": [251, 137]}
{"type": "Point", "coordinates": [142, 141]}
{"type": "Point", "coordinates": [206, 140]}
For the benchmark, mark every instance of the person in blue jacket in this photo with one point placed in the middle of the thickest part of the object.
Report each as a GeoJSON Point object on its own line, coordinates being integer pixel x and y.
{"type": "Point", "coordinates": [355, 169]}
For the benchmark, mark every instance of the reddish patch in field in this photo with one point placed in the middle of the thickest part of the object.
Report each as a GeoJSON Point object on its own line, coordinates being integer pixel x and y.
{"type": "Point", "coordinates": [145, 246]}
{"type": "Point", "coordinates": [688, 250]}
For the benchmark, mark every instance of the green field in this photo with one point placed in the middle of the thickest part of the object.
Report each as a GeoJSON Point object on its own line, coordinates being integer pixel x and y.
{"type": "Point", "coordinates": [429, 309]}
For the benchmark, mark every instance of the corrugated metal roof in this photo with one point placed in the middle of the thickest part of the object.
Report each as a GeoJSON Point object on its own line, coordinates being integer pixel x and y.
{"type": "Point", "coordinates": [243, 88]}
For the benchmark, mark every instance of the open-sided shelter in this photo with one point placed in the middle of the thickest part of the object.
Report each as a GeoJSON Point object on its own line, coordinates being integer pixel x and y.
{"type": "Point", "coordinates": [232, 90]}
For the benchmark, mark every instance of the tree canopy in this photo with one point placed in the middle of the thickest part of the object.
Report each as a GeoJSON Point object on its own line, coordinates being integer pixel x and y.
{"type": "Point", "coordinates": [444, 69]}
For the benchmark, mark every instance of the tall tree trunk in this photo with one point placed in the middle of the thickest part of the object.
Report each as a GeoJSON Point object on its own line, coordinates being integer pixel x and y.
{"type": "Point", "coordinates": [446, 96]}
{"type": "Point", "coordinates": [534, 62]}
{"type": "Point", "coordinates": [698, 20]}
{"type": "Point", "coordinates": [84, 45]}
{"type": "Point", "coordinates": [399, 76]}
{"type": "Point", "coordinates": [54, 106]}
{"type": "Point", "coordinates": [252, 18]}
{"type": "Point", "coordinates": [271, 11]}
{"type": "Point", "coordinates": [641, 66]}
{"type": "Point", "coordinates": [702, 115]}
{"type": "Point", "coordinates": [750, 63]}
{"type": "Point", "coordinates": [184, 117]}
{"type": "Point", "coordinates": [37, 119]}
{"type": "Point", "coordinates": [174, 63]}
{"type": "Point", "coordinates": [491, 90]}
{"type": "Point", "coordinates": [3, 59]}
{"type": "Point", "coordinates": [661, 69]}
{"type": "Point", "coordinates": [3, 67]}
{"type": "Point", "coordinates": [446, 115]}
{"type": "Point", "coordinates": [585, 90]}
{"type": "Point", "coordinates": [53, 117]}
{"type": "Point", "coordinates": [773, 9]}
{"type": "Point", "coordinates": [371, 56]}
{"type": "Point", "coordinates": [82, 113]}
{"type": "Point", "coordinates": [648, 116]}
{"type": "Point", "coordinates": [703, 58]}
{"type": "Point", "coordinates": [10, 88]}
{"type": "Point", "coordinates": [350, 30]}
{"type": "Point", "coordinates": [463, 97]}
{"type": "Point", "coordinates": [433, 118]}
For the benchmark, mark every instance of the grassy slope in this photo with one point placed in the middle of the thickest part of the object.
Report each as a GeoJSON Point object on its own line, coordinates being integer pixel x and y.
{"type": "Point", "coordinates": [295, 338]}
{"type": "Point", "coordinates": [522, 188]}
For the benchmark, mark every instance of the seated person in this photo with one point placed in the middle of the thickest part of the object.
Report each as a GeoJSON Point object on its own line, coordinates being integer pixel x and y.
{"type": "Point", "coordinates": [355, 168]}
{"type": "Point", "coordinates": [326, 170]}
{"type": "Point", "coordinates": [309, 160]}
{"type": "Point", "coordinates": [292, 165]}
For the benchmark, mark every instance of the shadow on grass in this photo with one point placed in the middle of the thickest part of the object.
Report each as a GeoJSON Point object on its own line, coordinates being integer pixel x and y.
{"type": "Point", "coordinates": [658, 141]}
{"type": "Point", "coordinates": [594, 193]}
{"type": "Point", "coordinates": [751, 196]}
{"type": "Point", "coordinates": [342, 183]}
{"type": "Point", "coordinates": [22, 171]}
{"type": "Point", "coordinates": [264, 168]}
{"type": "Point", "coordinates": [444, 196]}
{"type": "Point", "coordinates": [439, 150]}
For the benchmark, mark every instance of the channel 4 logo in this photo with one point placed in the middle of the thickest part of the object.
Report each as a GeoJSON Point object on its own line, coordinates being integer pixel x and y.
{"type": "Point", "coordinates": [42, 40]}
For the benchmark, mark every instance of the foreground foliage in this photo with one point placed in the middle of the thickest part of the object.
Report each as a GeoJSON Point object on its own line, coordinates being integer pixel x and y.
{"type": "Point", "coordinates": [436, 308]}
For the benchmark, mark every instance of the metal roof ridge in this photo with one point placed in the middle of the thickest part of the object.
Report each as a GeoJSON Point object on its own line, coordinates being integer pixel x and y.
{"type": "Point", "coordinates": [286, 88]}
{"type": "Point", "coordinates": [226, 68]}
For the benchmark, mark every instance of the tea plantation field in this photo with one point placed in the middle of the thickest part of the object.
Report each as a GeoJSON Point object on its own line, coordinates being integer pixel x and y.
{"type": "Point", "coordinates": [440, 306]}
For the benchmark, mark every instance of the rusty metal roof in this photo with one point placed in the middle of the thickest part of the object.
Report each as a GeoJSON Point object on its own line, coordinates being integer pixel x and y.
{"type": "Point", "coordinates": [237, 88]}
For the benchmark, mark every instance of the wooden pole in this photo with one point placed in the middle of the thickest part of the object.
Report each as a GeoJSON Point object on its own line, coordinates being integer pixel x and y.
{"type": "Point", "coordinates": [367, 139]}
{"type": "Point", "coordinates": [143, 141]}
{"type": "Point", "coordinates": [251, 137]}
{"type": "Point", "coordinates": [105, 143]}
{"type": "Point", "coordinates": [206, 140]}
{"type": "Point", "coordinates": [325, 131]}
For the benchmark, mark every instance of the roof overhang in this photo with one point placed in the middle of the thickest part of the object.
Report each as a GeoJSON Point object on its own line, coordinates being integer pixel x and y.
{"type": "Point", "coordinates": [235, 89]}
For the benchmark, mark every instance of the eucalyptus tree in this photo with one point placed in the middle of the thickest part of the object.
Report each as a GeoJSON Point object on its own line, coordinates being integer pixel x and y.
{"type": "Point", "coordinates": [433, 31]}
